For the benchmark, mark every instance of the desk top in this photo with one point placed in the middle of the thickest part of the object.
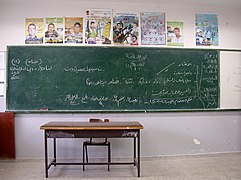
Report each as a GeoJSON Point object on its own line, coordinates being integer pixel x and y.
{"type": "Point", "coordinates": [76, 125]}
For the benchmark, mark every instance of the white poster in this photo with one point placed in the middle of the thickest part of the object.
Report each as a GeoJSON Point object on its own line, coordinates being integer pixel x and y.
{"type": "Point", "coordinates": [98, 26]}
{"type": "Point", "coordinates": [153, 28]}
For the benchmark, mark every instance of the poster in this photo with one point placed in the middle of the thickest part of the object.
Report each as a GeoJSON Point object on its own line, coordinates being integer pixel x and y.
{"type": "Point", "coordinates": [98, 26]}
{"type": "Point", "coordinates": [73, 30]}
{"type": "Point", "coordinates": [153, 28]}
{"type": "Point", "coordinates": [175, 33]}
{"type": "Point", "coordinates": [207, 30]}
{"type": "Point", "coordinates": [54, 30]}
{"type": "Point", "coordinates": [125, 29]}
{"type": "Point", "coordinates": [34, 30]}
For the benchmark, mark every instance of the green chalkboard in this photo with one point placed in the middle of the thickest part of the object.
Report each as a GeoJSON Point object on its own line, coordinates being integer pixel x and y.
{"type": "Point", "coordinates": [109, 79]}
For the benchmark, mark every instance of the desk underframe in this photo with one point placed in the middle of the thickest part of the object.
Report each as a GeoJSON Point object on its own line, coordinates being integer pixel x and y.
{"type": "Point", "coordinates": [54, 134]}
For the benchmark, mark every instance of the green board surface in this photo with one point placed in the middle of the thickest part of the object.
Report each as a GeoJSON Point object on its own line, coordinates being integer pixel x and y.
{"type": "Point", "coordinates": [109, 79]}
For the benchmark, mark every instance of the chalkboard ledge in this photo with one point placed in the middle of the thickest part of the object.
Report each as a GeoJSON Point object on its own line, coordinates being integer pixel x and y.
{"type": "Point", "coordinates": [123, 111]}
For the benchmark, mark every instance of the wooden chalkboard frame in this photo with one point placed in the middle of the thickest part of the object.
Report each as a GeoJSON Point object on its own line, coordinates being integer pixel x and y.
{"type": "Point", "coordinates": [109, 110]}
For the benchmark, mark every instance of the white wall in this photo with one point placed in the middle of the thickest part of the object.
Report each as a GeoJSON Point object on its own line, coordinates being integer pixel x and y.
{"type": "Point", "coordinates": [2, 80]}
{"type": "Point", "coordinates": [14, 12]}
{"type": "Point", "coordinates": [164, 133]}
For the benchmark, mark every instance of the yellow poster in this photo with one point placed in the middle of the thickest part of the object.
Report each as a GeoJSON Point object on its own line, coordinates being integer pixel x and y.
{"type": "Point", "coordinates": [54, 30]}
{"type": "Point", "coordinates": [34, 30]}
{"type": "Point", "coordinates": [73, 30]}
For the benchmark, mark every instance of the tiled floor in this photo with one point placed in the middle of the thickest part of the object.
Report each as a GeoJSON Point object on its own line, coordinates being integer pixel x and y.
{"type": "Point", "coordinates": [205, 167]}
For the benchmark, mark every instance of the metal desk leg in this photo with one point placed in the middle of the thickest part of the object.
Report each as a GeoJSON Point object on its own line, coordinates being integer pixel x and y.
{"type": "Point", "coordinates": [134, 151]}
{"type": "Point", "coordinates": [83, 157]}
{"type": "Point", "coordinates": [109, 157]}
{"type": "Point", "coordinates": [138, 153]}
{"type": "Point", "coordinates": [46, 153]}
{"type": "Point", "coordinates": [55, 151]}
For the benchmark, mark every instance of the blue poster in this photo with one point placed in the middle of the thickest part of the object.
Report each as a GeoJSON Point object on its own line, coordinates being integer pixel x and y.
{"type": "Point", "coordinates": [207, 30]}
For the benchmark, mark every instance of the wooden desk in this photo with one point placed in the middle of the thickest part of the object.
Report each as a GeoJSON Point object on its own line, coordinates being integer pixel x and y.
{"type": "Point", "coordinates": [73, 129]}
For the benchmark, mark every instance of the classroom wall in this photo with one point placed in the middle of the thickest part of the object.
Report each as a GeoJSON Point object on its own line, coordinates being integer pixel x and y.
{"type": "Point", "coordinates": [164, 134]}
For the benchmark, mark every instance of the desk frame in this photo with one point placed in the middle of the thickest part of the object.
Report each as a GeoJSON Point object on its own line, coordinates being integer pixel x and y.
{"type": "Point", "coordinates": [102, 133]}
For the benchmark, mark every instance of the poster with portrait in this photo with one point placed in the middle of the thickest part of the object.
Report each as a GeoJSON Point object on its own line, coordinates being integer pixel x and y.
{"type": "Point", "coordinates": [98, 26]}
{"type": "Point", "coordinates": [54, 29]}
{"type": "Point", "coordinates": [207, 30]}
{"type": "Point", "coordinates": [125, 29]}
{"type": "Point", "coordinates": [153, 28]}
{"type": "Point", "coordinates": [73, 30]}
{"type": "Point", "coordinates": [34, 30]}
{"type": "Point", "coordinates": [175, 33]}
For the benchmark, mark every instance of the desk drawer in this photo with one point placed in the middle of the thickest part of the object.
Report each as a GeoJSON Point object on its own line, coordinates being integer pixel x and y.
{"type": "Point", "coordinates": [92, 134]}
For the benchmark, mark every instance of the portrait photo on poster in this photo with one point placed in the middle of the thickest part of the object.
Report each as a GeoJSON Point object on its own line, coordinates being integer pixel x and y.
{"type": "Point", "coordinates": [175, 33]}
{"type": "Point", "coordinates": [73, 30]}
{"type": "Point", "coordinates": [54, 29]}
{"type": "Point", "coordinates": [34, 30]}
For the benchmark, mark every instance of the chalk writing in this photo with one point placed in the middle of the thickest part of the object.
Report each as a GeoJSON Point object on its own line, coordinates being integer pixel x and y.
{"type": "Point", "coordinates": [211, 58]}
{"type": "Point", "coordinates": [103, 101]}
{"type": "Point", "coordinates": [185, 64]}
{"type": "Point", "coordinates": [210, 89]}
{"type": "Point", "coordinates": [169, 101]}
{"type": "Point", "coordinates": [73, 99]}
{"type": "Point", "coordinates": [100, 82]}
{"type": "Point", "coordinates": [208, 75]}
{"type": "Point", "coordinates": [183, 73]}
{"type": "Point", "coordinates": [142, 81]}
{"type": "Point", "coordinates": [30, 65]}
{"type": "Point", "coordinates": [15, 62]}
{"type": "Point", "coordinates": [114, 81]}
{"type": "Point", "coordinates": [135, 61]}
{"type": "Point", "coordinates": [172, 93]}
{"type": "Point", "coordinates": [128, 80]}
{"type": "Point", "coordinates": [138, 57]}
{"type": "Point", "coordinates": [161, 94]}
{"type": "Point", "coordinates": [33, 62]}
{"type": "Point", "coordinates": [173, 80]}
{"type": "Point", "coordinates": [211, 78]}
{"type": "Point", "coordinates": [87, 69]}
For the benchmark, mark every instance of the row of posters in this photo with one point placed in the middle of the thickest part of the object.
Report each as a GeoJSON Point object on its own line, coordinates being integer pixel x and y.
{"type": "Point", "coordinates": [97, 28]}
